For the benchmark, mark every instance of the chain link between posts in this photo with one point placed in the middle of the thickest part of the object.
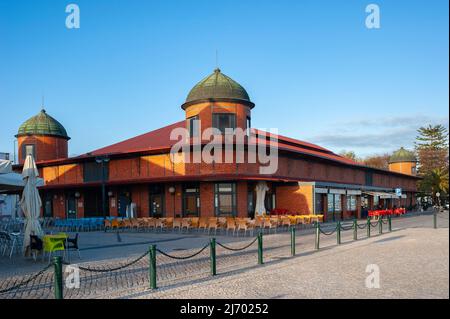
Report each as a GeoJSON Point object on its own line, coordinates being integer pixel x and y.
{"type": "Point", "coordinates": [103, 270]}
{"type": "Point", "coordinates": [237, 249]}
{"type": "Point", "coordinates": [25, 282]}
{"type": "Point", "coordinates": [182, 257]}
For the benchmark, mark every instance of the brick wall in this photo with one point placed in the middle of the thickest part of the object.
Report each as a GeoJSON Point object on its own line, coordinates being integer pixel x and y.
{"type": "Point", "coordinates": [46, 147]}
{"type": "Point", "coordinates": [207, 199]}
{"type": "Point", "coordinates": [242, 199]}
{"type": "Point", "coordinates": [297, 199]}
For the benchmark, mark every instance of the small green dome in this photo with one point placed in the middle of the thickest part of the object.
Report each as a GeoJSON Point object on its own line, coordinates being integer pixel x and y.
{"type": "Point", "coordinates": [42, 124]}
{"type": "Point", "coordinates": [402, 155]}
{"type": "Point", "coordinates": [218, 86]}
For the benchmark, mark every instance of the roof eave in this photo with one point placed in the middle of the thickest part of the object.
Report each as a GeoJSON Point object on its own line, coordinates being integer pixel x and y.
{"type": "Point", "coordinates": [212, 100]}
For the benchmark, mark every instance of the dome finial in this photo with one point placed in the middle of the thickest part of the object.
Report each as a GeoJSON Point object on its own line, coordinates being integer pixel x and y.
{"type": "Point", "coordinates": [42, 105]}
{"type": "Point", "coordinates": [216, 70]}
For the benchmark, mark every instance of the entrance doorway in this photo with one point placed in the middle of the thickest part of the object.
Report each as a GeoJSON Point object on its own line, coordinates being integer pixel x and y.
{"type": "Point", "coordinates": [48, 205]}
{"type": "Point", "coordinates": [93, 203]}
{"type": "Point", "coordinates": [157, 200]}
{"type": "Point", "coordinates": [191, 200]}
{"type": "Point", "coordinates": [334, 212]}
{"type": "Point", "coordinates": [71, 206]}
{"type": "Point", "coordinates": [123, 201]}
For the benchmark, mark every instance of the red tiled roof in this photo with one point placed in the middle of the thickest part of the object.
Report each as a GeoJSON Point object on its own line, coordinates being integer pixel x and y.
{"type": "Point", "coordinates": [160, 138]}
{"type": "Point", "coordinates": [156, 139]}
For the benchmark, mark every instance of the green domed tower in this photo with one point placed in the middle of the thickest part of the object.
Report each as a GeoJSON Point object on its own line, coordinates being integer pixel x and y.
{"type": "Point", "coordinates": [403, 161]}
{"type": "Point", "coordinates": [217, 86]}
{"type": "Point", "coordinates": [43, 137]}
{"type": "Point", "coordinates": [218, 101]}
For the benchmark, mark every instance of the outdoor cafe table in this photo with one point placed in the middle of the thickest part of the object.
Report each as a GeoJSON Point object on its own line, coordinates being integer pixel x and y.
{"type": "Point", "coordinates": [54, 242]}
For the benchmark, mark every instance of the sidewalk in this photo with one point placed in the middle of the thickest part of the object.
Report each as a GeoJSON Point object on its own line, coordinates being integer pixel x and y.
{"type": "Point", "coordinates": [132, 282]}
{"type": "Point", "coordinates": [413, 263]}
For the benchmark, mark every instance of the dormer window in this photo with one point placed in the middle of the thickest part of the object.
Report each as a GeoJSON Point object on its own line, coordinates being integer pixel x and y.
{"type": "Point", "coordinates": [223, 121]}
{"type": "Point", "coordinates": [193, 126]}
{"type": "Point", "coordinates": [29, 149]}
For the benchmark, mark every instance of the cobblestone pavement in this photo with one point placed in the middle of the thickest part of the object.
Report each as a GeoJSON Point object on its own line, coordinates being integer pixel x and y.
{"type": "Point", "coordinates": [179, 278]}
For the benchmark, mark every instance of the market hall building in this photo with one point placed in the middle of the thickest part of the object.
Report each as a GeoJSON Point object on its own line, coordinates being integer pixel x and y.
{"type": "Point", "coordinates": [309, 179]}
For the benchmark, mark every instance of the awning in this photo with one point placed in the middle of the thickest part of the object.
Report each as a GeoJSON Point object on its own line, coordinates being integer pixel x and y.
{"type": "Point", "coordinates": [321, 190]}
{"type": "Point", "coordinates": [5, 167]}
{"type": "Point", "coordinates": [337, 191]}
{"type": "Point", "coordinates": [10, 181]}
{"type": "Point", "coordinates": [382, 195]}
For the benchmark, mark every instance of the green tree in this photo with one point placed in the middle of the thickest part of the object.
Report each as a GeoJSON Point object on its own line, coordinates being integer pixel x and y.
{"type": "Point", "coordinates": [377, 161]}
{"type": "Point", "coordinates": [432, 152]}
{"type": "Point", "coordinates": [350, 155]}
{"type": "Point", "coordinates": [434, 182]}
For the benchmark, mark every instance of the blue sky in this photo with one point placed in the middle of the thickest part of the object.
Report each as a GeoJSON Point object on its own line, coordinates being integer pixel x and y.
{"type": "Point", "coordinates": [312, 68]}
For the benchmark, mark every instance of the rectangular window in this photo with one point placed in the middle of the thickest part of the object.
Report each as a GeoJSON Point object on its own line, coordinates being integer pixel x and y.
{"type": "Point", "coordinates": [225, 199]}
{"type": "Point", "coordinates": [330, 200]}
{"type": "Point", "coordinates": [334, 203]}
{"type": "Point", "coordinates": [376, 200]}
{"type": "Point", "coordinates": [351, 203]}
{"type": "Point", "coordinates": [250, 204]}
{"type": "Point", "coordinates": [318, 208]}
{"type": "Point", "coordinates": [193, 126]}
{"type": "Point", "coordinates": [29, 149]}
{"type": "Point", "coordinates": [337, 203]}
{"type": "Point", "coordinates": [249, 125]}
{"type": "Point", "coordinates": [92, 171]}
{"type": "Point", "coordinates": [222, 121]}
{"type": "Point", "coordinates": [369, 178]}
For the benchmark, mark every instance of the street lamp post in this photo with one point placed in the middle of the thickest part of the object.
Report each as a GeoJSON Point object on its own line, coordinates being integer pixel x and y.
{"type": "Point", "coordinates": [102, 160]}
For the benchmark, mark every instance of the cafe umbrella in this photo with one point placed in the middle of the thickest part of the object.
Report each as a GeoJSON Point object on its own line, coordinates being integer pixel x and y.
{"type": "Point", "coordinates": [261, 189]}
{"type": "Point", "coordinates": [30, 201]}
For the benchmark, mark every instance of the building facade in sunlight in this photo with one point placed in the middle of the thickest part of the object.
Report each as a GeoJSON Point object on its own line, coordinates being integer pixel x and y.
{"type": "Point", "coordinates": [309, 179]}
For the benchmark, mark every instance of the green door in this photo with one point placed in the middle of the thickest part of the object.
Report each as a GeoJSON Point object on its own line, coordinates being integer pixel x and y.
{"type": "Point", "coordinates": [71, 206]}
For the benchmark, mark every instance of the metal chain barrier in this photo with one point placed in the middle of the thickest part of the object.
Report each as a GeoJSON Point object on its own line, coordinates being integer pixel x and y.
{"type": "Point", "coordinates": [346, 228]}
{"type": "Point", "coordinates": [98, 270]}
{"type": "Point", "coordinates": [327, 234]}
{"type": "Point", "coordinates": [25, 282]}
{"type": "Point", "coordinates": [237, 249]}
{"type": "Point", "coordinates": [384, 221]}
{"type": "Point", "coordinates": [185, 257]}
{"type": "Point", "coordinates": [374, 224]}
{"type": "Point", "coordinates": [362, 226]}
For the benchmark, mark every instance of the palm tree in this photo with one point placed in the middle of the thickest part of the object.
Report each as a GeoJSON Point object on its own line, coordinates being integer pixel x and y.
{"type": "Point", "coordinates": [436, 181]}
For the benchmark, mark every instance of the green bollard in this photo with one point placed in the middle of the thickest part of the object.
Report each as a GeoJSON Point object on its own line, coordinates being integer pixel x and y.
{"type": "Point", "coordinates": [152, 267]}
{"type": "Point", "coordinates": [435, 220]}
{"type": "Point", "coordinates": [368, 227]}
{"type": "Point", "coordinates": [260, 249]}
{"type": "Point", "coordinates": [338, 232]}
{"type": "Point", "coordinates": [212, 246]}
{"type": "Point", "coordinates": [58, 279]}
{"type": "Point", "coordinates": [380, 225]}
{"type": "Point", "coordinates": [317, 235]}
{"type": "Point", "coordinates": [355, 229]}
{"type": "Point", "coordinates": [292, 241]}
{"type": "Point", "coordinates": [390, 223]}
